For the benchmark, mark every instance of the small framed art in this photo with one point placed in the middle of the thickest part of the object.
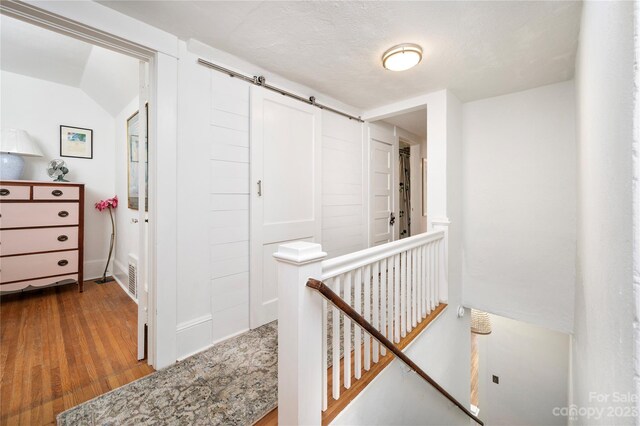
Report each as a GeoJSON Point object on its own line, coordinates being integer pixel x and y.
{"type": "Point", "coordinates": [76, 142]}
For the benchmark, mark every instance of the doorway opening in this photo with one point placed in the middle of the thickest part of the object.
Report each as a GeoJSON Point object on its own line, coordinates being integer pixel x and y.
{"type": "Point", "coordinates": [401, 213]}
{"type": "Point", "coordinates": [79, 103]}
{"type": "Point", "coordinates": [404, 189]}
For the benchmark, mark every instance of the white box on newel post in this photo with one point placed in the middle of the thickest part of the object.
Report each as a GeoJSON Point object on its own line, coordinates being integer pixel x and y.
{"type": "Point", "coordinates": [299, 334]}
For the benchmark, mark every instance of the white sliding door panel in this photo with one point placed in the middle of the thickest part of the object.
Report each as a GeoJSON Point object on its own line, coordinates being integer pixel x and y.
{"type": "Point", "coordinates": [285, 189]}
{"type": "Point", "coordinates": [383, 148]}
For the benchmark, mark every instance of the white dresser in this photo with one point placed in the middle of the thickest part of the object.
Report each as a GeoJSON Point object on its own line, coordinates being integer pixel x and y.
{"type": "Point", "coordinates": [41, 234]}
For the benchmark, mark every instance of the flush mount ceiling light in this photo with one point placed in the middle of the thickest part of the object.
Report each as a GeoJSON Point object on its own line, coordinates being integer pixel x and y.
{"type": "Point", "coordinates": [402, 57]}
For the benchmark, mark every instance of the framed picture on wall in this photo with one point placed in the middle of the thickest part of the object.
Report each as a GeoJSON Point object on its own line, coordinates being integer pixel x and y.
{"type": "Point", "coordinates": [133, 158]}
{"type": "Point", "coordinates": [424, 187]}
{"type": "Point", "coordinates": [76, 142]}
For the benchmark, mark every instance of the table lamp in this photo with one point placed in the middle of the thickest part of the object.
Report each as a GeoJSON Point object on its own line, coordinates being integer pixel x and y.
{"type": "Point", "coordinates": [15, 144]}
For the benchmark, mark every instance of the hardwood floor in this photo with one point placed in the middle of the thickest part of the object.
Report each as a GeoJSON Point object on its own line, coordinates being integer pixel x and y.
{"type": "Point", "coordinates": [59, 348]}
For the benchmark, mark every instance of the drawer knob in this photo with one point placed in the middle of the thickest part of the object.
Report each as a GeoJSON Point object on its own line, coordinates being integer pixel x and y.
{"type": "Point", "coordinates": [63, 262]}
{"type": "Point", "coordinates": [4, 191]}
{"type": "Point", "coordinates": [56, 193]}
{"type": "Point", "coordinates": [63, 213]}
{"type": "Point", "coordinates": [63, 238]}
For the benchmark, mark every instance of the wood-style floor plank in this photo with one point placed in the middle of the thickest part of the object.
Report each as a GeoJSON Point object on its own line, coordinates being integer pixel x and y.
{"type": "Point", "coordinates": [59, 348]}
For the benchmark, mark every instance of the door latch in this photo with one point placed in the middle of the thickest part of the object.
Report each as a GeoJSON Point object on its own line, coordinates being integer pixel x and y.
{"type": "Point", "coordinates": [392, 219]}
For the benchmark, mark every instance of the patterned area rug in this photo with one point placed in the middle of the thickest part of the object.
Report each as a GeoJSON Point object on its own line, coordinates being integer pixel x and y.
{"type": "Point", "coordinates": [232, 383]}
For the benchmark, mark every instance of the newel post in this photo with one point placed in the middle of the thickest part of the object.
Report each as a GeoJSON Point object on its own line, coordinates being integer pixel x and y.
{"type": "Point", "coordinates": [299, 334]}
{"type": "Point", "coordinates": [443, 289]}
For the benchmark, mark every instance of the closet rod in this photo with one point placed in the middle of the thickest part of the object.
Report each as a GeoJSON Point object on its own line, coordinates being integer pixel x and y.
{"type": "Point", "coordinates": [262, 81]}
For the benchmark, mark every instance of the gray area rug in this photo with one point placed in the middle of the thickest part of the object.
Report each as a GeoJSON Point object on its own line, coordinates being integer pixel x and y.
{"type": "Point", "coordinates": [232, 383]}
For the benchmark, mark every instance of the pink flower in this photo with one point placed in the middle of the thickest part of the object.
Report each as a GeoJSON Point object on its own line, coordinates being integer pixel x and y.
{"type": "Point", "coordinates": [107, 204]}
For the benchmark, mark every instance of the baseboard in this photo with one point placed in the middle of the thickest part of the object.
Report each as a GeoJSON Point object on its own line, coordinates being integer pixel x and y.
{"type": "Point", "coordinates": [94, 268]}
{"type": "Point", "coordinates": [125, 289]}
{"type": "Point", "coordinates": [210, 345]}
{"type": "Point", "coordinates": [193, 336]}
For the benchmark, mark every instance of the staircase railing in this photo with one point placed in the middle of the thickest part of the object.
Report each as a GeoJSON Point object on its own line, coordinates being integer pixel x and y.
{"type": "Point", "coordinates": [339, 303]}
{"type": "Point", "coordinates": [393, 287]}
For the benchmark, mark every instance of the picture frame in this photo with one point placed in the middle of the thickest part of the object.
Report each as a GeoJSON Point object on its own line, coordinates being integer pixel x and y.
{"type": "Point", "coordinates": [76, 142]}
{"type": "Point", "coordinates": [424, 187]}
{"type": "Point", "coordinates": [132, 162]}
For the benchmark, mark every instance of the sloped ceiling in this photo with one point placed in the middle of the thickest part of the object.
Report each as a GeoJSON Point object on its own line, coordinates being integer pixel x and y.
{"type": "Point", "coordinates": [109, 78]}
{"type": "Point", "coordinates": [478, 49]}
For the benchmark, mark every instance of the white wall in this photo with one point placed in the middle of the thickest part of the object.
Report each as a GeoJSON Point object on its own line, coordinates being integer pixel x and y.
{"type": "Point", "coordinates": [532, 364]}
{"type": "Point", "coordinates": [40, 107]}
{"type": "Point", "coordinates": [398, 396]}
{"type": "Point", "coordinates": [520, 205]}
{"type": "Point", "coordinates": [127, 236]}
{"type": "Point", "coordinates": [603, 342]}
{"type": "Point", "coordinates": [213, 201]}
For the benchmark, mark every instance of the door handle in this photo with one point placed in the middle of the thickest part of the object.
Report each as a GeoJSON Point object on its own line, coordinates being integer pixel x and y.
{"type": "Point", "coordinates": [259, 188]}
{"type": "Point", "coordinates": [392, 219]}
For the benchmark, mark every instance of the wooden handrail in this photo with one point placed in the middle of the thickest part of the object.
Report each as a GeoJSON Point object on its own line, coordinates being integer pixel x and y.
{"type": "Point", "coordinates": [341, 304]}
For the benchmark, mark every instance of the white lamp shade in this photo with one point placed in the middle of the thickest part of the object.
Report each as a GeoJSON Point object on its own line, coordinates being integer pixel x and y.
{"type": "Point", "coordinates": [16, 141]}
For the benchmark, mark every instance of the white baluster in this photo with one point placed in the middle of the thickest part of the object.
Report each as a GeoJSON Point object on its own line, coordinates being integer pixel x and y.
{"type": "Point", "coordinates": [390, 269]}
{"type": "Point", "coordinates": [347, 333]}
{"type": "Point", "coordinates": [325, 321]}
{"type": "Point", "coordinates": [438, 275]}
{"type": "Point", "coordinates": [335, 316]}
{"type": "Point", "coordinates": [357, 331]}
{"type": "Point", "coordinates": [419, 283]}
{"type": "Point", "coordinates": [425, 295]}
{"type": "Point", "coordinates": [403, 294]}
{"type": "Point", "coordinates": [367, 316]}
{"type": "Point", "coordinates": [408, 293]}
{"type": "Point", "coordinates": [414, 288]}
{"type": "Point", "coordinates": [383, 302]}
{"type": "Point", "coordinates": [396, 296]}
{"type": "Point", "coordinates": [376, 308]}
{"type": "Point", "coordinates": [427, 286]}
{"type": "Point", "coordinates": [434, 270]}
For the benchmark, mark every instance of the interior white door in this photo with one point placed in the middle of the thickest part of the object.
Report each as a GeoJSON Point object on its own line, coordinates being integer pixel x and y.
{"type": "Point", "coordinates": [285, 189]}
{"type": "Point", "coordinates": [142, 290]}
{"type": "Point", "coordinates": [383, 148]}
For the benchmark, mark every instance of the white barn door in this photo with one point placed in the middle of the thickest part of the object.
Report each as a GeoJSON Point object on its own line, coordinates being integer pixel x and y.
{"type": "Point", "coordinates": [285, 189]}
{"type": "Point", "coordinates": [383, 148]}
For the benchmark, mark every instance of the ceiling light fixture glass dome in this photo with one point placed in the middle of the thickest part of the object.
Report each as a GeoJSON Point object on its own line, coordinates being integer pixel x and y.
{"type": "Point", "coordinates": [402, 57]}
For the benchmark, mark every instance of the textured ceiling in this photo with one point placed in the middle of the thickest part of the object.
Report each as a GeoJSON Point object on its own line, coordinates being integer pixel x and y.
{"type": "Point", "coordinates": [477, 49]}
{"type": "Point", "coordinates": [109, 78]}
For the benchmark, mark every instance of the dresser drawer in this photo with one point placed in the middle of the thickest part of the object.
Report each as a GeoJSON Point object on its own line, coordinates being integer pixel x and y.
{"type": "Point", "coordinates": [56, 192]}
{"type": "Point", "coordinates": [15, 192]}
{"type": "Point", "coordinates": [38, 282]}
{"type": "Point", "coordinates": [28, 215]}
{"type": "Point", "coordinates": [19, 241]}
{"type": "Point", "coordinates": [30, 266]}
